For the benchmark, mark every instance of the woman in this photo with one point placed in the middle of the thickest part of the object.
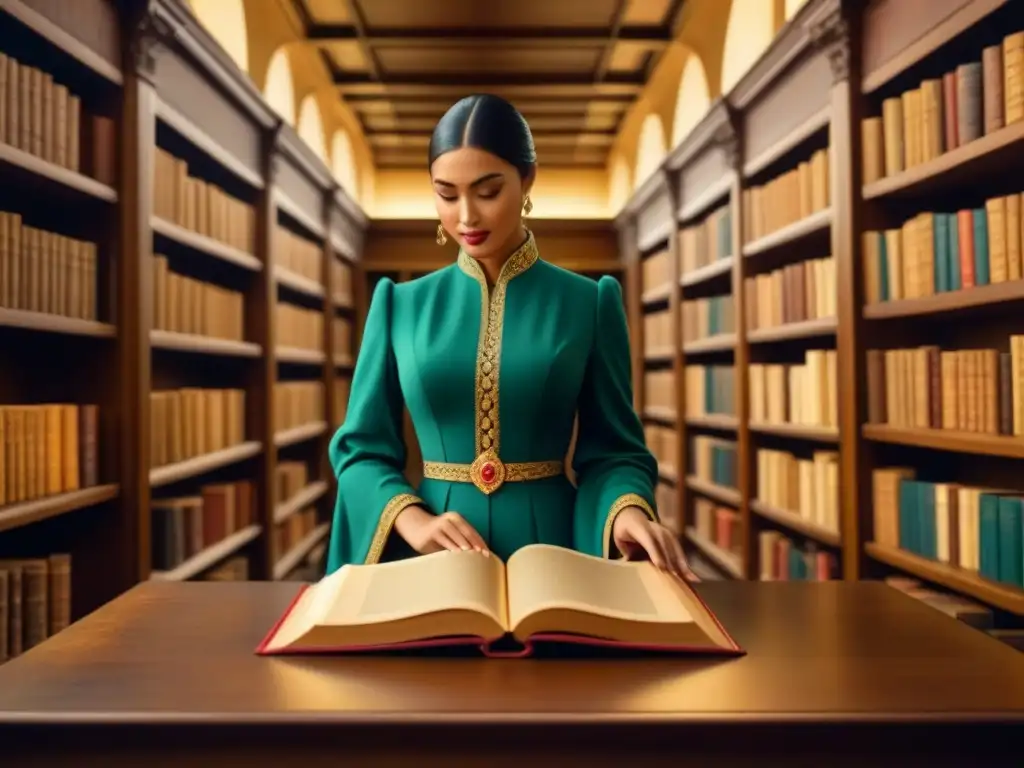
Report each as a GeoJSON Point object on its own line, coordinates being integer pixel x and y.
{"type": "Point", "coordinates": [494, 355]}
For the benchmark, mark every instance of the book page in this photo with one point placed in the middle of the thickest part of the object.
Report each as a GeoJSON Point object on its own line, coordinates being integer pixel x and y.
{"type": "Point", "coordinates": [559, 591]}
{"type": "Point", "coordinates": [442, 581]}
{"type": "Point", "coordinates": [543, 577]}
{"type": "Point", "coordinates": [442, 594]}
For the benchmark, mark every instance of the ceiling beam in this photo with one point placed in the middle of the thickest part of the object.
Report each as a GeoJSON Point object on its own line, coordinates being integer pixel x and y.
{"type": "Point", "coordinates": [613, 37]}
{"type": "Point", "coordinates": [491, 79]}
{"type": "Point", "coordinates": [359, 27]}
{"type": "Point", "coordinates": [425, 134]}
{"type": "Point", "coordinates": [653, 36]}
{"type": "Point", "coordinates": [430, 101]}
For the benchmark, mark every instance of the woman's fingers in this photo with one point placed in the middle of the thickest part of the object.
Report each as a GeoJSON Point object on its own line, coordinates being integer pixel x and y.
{"type": "Point", "coordinates": [467, 532]}
{"type": "Point", "coordinates": [682, 568]}
{"type": "Point", "coordinates": [646, 538]}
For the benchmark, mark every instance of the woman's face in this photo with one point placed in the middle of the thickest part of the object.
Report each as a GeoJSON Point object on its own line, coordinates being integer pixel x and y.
{"type": "Point", "coordinates": [479, 200]}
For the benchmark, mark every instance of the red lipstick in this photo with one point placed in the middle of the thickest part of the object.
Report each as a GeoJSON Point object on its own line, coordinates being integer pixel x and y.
{"type": "Point", "coordinates": [475, 236]}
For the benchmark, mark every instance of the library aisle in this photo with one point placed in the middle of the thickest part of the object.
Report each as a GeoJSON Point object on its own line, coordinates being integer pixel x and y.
{"type": "Point", "coordinates": [813, 207]}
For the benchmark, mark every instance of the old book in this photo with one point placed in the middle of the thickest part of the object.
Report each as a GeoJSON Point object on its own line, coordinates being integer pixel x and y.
{"type": "Point", "coordinates": [544, 594]}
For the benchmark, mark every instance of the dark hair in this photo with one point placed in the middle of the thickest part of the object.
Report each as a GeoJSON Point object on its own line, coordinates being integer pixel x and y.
{"type": "Point", "coordinates": [486, 122]}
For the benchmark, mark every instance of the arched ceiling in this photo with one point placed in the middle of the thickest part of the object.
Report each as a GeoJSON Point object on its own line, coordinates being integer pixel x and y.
{"type": "Point", "coordinates": [572, 68]}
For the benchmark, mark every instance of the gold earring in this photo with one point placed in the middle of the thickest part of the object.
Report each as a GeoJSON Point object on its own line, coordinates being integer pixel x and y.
{"type": "Point", "coordinates": [527, 206]}
{"type": "Point", "coordinates": [441, 238]}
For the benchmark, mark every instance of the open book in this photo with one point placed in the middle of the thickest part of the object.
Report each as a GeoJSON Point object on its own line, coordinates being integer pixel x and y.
{"type": "Point", "coordinates": [543, 594]}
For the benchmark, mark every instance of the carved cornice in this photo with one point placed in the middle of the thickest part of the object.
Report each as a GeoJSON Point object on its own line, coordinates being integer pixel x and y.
{"type": "Point", "coordinates": [151, 32]}
{"type": "Point", "coordinates": [831, 35]}
{"type": "Point", "coordinates": [727, 140]}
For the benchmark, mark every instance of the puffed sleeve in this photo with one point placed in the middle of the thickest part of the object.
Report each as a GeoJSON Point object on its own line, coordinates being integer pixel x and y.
{"type": "Point", "coordinates": [614, 468]}
{"type": "Point", "coordinates": [368, 452]}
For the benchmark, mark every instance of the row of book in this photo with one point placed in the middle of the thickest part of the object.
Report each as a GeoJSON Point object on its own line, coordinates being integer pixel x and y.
{"type": "Point", "coordinates": [200, 206]}
{"type": "Point", "coordinates": [657, 333]}
{"type": "Point", "coordinates": [968, 390]}
{"type": "Point", "coordinates": [42, 271]}
{"type": "Point", "coordinates": [47, 449]}
{"type": "Point", "coordinates": [341, 282]}
{"type": "Point", "coordinates": [803, 394]}
{"type": "Point", "coordinates": [665, 502]}
{"type": "Point", "coordinates": [783, 559]}
{"type": "Point", "coordinates": [297, 254]}
{"type": "Point", "coordinates": [946, 112]}
{"type": "Point", "coordinates": [980, 530]}
{"type": "Point", "coordinates": [661, 441]}
{"type": "Point", "coordinates": [938, 252]}
{"type": "Point", "coordinates": [807, 487]}
{"type": "Point", "coordinates": [704, 318]}
{"type": "Point", "coordinates": [290, 477]}
{"type": "Point", "coordinates": [289, 533]}
{"type": "Point", "coordinates": [706, 242]}
{"type": "Point", "coordinates": [191, 422]}
{"type": "Point", "coordinates": [41, 116]}
{"type": "Point", "coordinates": [297, 403]}
{"type": "Point", "coordinates": [722, 526]}
{"type": "Point", "coordinates": [299, 327]}
{"type": "Point", "coordinates": [710, 390]}
{"type": "Point", "coordinates": [186, 305]}
{"type": "Point", "coordinates": [713, 460]}
{"type": "Point", "coordinates": [788, 198]}
{"type": "Point", "coordinates": [233, 569]}
{"type": "Point", "coordinates": [656, 271]}
{"type": "Point", "coordinates": [795, 293]}
{"type": "Point", "coordinates": [184, 526]}
{"type": "Point", "coordinates": [343, 340]}
{"type": "Point", "coordinates": [660, 393]}
{"type": "Point", "coordinates": [35, 601]}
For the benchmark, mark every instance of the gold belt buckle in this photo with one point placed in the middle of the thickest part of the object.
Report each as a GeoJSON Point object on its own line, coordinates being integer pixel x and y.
{"type": "Point", "coordinates": [487, 472]}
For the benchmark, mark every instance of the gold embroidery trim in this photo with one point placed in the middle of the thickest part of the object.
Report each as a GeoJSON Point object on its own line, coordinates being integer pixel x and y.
{"type": "Point", "coordinates": [387, 522]}
{"type": "Point", "coordinates": [488, 355]}
{"type": "Point", "coordinates": [514, 473]}
{"type": "Point", "coordinates": [626, 500]}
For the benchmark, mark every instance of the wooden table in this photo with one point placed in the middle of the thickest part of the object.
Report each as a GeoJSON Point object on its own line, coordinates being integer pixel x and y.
{"type": "Point", "coordinates": [836, 674]}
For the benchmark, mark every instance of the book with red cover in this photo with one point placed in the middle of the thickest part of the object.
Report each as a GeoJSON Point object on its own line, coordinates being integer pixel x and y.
{"type": "Point", "coordinates": [544, 595]}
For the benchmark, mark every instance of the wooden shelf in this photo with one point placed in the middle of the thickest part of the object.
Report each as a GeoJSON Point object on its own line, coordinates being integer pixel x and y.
{"type": "Point", "coordinates": [656, 295]}
{"type": "Point", "coordinates": [659, 355]}
{"type": "Point", "coordinates": [291, 560]}
{"type": "Point", "coordinates": [721, 342]}
{"type": "Point", "coordinates": [293, 211]}
{"type": "Point", "coordinates": [192, 133]}
{"type": "Point", "coordinates": [27, 512]}
{"type": "Point", "coordinates": [344, 361]}
{"type": "Point", "coordinates": [663, 415]}
{"type": "Point", "coordinates": [806, 329]}
{"type": "Point", "coordinates": [714, 421]}
{"type": "Point", "coordinates": [951, 301]}
{"type": "Point", "coordinates": [953, 169]}
{"type": "Point", "coordinates": [812, 225]}
{"type": "Point", "coordinates": [668, 472]}
{"type": "Point", "coordinates": [1003, 596]}
{"type": "Point", "coordinates": [15, 160]}
{"type": "Point", "coordinates": [46, 29]}
{"type": "Point", "coordinates": [300, 500]}
{"type": "Point", "coordinates": [183, 470]}
{"type": "Point", "coordinates": [707, 273]}
{"type": "Point", "coordinates": [298, 283]}
{"type": "Point", "coordinates": [300, 356]}
{"type": "Point", "coordinates": [947, 440]}
{"type": "Point", "coordinates": [800, 431]}
{"type": "Point", "coordinates": [206, 345]}
{"type": "Point", "coordinates": [729, 496]}
{"type": "Point", "coordinates": [209, 557]}
{"type": "Point", "coordinates": [727, 561]}
{"type": "Point", "coordinates": [795, 522]}
{"type": "Point", "coordinates": [45, 323]}
{"type": "Point", "coordinates": [205, 245]}
{"type": "Point", "coordinates": [298, 434]}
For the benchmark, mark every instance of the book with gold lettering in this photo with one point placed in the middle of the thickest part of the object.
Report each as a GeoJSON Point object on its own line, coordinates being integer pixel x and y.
{"type": "Point", "coordinates": [543, 594]}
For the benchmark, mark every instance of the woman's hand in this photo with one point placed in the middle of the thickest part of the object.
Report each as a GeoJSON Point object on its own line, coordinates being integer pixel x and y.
{"type": "Point", "coordinates": [428, 533]}
{"type": "Point", "coordinates": [637, 536]}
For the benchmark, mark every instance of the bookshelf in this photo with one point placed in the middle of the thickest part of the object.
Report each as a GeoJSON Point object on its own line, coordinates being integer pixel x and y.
{"type": "Point", "coordinates": [156, 217]}
{"type": "Point", "coordinates": [850, 209]}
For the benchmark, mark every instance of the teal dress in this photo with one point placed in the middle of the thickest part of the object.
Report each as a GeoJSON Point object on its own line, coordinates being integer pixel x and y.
{"type": "Point", "coordinates": [493, 378]}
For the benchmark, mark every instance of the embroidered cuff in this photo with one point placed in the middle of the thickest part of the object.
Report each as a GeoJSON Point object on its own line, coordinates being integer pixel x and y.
{"type": "Point", "coordinates": [626, 500]}
{"type": "Point", "coordinates": [387, 522]}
